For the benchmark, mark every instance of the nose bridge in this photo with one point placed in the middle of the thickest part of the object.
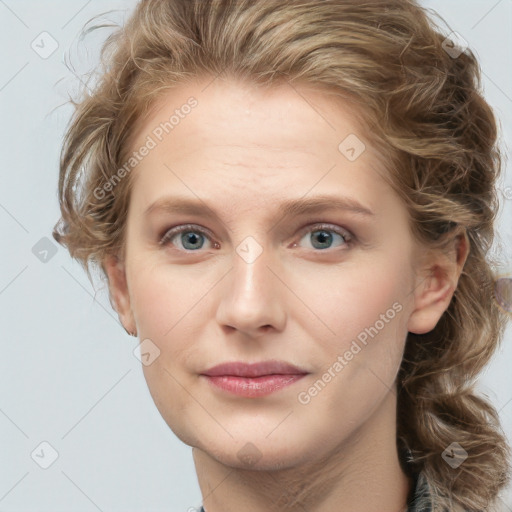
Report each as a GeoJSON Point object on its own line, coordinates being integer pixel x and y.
{"type": "Point", "coordinates": [251, 275]}
{"type": "Point", "coordinates": [251, 296]}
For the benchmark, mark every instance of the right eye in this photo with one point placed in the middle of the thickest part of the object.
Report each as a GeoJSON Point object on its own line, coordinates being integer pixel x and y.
{"type": "Point", "coordinates": [191, 237]}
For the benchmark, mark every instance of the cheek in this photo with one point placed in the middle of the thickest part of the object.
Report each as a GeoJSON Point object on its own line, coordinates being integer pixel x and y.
{"type": "Point", "coordinates": [153, 306]}
{"type": "Point", "coordinates": [163, 299]}
{"type": "Point", "coordinates": [166, 310]}
{"type": "Point", "coordinates": [171, 307]}
{"type": "Point", "coordinates": [348, 299]}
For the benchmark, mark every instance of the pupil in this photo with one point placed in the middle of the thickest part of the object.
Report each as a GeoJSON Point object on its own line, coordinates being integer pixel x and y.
{"type": "Point", "coordinates": [191, 238]}
{"type": "Point", "coordinates": [324, 237]}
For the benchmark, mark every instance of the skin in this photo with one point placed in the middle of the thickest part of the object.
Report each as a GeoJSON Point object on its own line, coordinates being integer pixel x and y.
{"type": "Point", "coordinates": [242, 151]}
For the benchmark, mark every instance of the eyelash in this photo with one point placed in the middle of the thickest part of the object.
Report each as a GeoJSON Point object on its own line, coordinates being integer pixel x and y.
{"type": "Point", "coordinates": [172, 232]}
{"type": "Point", "coordinates": [348, 237]}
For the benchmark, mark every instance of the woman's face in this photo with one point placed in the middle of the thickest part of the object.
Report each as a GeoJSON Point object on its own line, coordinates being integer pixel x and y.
{"type": "Point", "coordinates": [326, 288]}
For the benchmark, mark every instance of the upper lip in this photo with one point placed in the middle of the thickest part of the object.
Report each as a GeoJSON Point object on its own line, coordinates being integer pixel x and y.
{"type": "Point", "coordinates": [240, 369]}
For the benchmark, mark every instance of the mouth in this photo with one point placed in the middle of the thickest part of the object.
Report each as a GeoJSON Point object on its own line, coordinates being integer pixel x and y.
{"type": "Point", "coordinates": [253, 380]}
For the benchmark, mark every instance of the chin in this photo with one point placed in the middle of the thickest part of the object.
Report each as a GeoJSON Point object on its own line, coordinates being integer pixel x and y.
{"type": "Point", "coordinates": [254, 451]}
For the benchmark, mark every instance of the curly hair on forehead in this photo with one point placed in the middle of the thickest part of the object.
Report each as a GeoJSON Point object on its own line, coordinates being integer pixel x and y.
{"type": "Point", "coordinates": [422, 107]}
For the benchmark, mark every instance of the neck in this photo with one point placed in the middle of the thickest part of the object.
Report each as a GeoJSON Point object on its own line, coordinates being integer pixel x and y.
{"type": "Point", "coordinates": [363, 474]}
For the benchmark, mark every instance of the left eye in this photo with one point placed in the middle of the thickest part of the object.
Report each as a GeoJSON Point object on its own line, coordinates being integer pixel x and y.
{"type": "Point", "coordinates": [321, 237]}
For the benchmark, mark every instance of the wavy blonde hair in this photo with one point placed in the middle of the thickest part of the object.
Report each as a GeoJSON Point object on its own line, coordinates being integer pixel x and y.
{"type": "Point", "coordinates": [422, 108]}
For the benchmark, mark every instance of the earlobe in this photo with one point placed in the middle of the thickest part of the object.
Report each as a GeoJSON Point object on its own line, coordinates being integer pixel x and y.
{"type": "Point", "coordinates": [435, 288]}
{"type": "Point", "coordinates": [118, 292]}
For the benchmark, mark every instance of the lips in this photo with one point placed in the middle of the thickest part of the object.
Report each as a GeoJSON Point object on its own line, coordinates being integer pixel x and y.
{"type": "Point", "coordinates": [240, 369]}
{"type": "Point", "coordinates": [253, 380]}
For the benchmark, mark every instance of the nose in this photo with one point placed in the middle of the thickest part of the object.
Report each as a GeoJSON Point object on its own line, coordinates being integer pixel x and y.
{"type": "Point", "coordinates": [251, 296]}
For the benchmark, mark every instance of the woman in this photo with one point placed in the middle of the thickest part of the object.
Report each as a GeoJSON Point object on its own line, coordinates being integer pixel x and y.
{"type": "Point", "coordinates": [293, 204]}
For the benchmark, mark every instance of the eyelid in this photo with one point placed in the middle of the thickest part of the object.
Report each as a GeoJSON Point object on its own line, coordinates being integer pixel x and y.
{"type": "Point", "coordinates": [169, 233]}
{"type": "Point", "coordinates": [345, 233]}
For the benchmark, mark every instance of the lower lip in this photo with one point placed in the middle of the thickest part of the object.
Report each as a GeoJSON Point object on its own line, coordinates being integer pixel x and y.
{"type": "Point", "coordinates": [252, 387]}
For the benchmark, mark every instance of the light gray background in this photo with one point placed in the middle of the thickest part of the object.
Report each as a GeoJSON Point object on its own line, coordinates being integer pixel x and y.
{"type": "Point", "coordinates": [67, 372]}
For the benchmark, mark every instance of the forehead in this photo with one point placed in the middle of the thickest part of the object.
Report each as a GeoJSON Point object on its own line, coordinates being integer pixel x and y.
{"type": "Point", "coordinates": [231, 134]}
{"type": "Point", "coordinates": [235, 107]}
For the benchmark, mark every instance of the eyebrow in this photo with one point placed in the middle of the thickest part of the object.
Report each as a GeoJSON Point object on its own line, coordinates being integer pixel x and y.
{"type": "Point", "coordinates": [288, 208]}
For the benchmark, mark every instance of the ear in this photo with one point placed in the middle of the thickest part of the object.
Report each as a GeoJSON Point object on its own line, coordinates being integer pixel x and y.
{"type": "Point", "coordinates": [436, 283]}
{"type": "Point", "coordinates": [118, 292]}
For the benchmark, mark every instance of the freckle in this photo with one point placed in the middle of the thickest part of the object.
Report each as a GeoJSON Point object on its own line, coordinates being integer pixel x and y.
{"type": "Point", "coordinates": [503, 293]}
